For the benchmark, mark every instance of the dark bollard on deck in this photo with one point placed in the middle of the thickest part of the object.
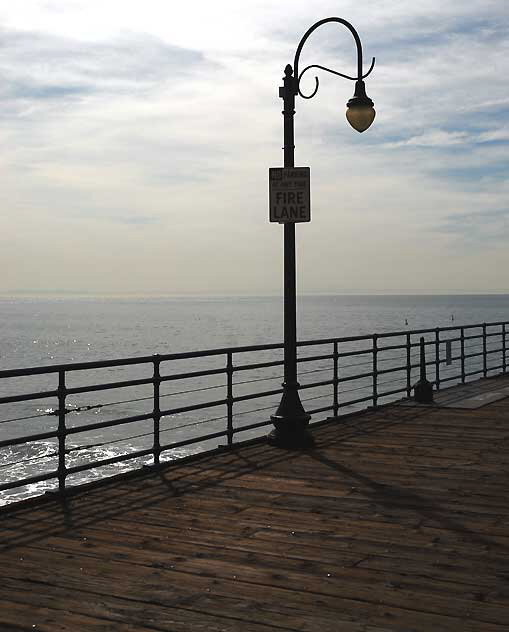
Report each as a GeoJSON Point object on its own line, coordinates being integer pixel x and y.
{"type": "Point", "coordinates": [423, 390]}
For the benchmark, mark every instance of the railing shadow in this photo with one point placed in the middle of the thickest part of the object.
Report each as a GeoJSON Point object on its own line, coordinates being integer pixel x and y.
{"type": "Point", "coordinates": [114, 499]}
{"type": "Point", "coordinates": [107, 499]}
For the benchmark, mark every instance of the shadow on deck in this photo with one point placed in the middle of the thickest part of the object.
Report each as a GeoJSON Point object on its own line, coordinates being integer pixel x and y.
{"type": "Point", "coordinates": [397, 520]}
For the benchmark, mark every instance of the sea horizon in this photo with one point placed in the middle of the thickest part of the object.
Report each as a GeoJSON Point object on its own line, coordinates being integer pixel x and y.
{"type": "Point", "coordinates": [67, 294]}
{"type": "Point", "coordinates": [37, 329]}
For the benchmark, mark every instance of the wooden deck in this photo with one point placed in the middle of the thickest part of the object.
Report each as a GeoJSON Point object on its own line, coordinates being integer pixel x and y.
{"type": "Point", "coordinates": [398, 520]}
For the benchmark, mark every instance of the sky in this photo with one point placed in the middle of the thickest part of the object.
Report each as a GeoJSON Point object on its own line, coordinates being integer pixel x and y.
{"type": "Point", "coordinates": [136, 139]}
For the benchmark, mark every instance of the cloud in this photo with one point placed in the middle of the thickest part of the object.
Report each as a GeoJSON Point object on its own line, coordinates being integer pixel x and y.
{"type": "Point", "coordinates": [34, 90]}
{"type": "Point", "coordinates": [436, 138]}
{"type": "Point", "coordinates": [134, 220]}
{"type": "Point", "coordinates": [43, 67]}
{"type": "Point", "coordinates": [133, 124]}
{"type": "Point", "coordinates": [478, 227]}
{"type": "Point", "coordinates": [443, 138]}
{"type": "Point", "coordinates": [492, 106]}
{"type": "Point", "coordinates": [496, 135]}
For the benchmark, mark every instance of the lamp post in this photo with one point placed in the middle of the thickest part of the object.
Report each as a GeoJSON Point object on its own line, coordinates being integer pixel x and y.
{"type": "Point", "coordinates": [291, 420]}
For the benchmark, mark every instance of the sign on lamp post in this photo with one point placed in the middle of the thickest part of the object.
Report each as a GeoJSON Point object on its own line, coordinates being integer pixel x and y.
{"type": "Point", "coordinates": [289, 195]}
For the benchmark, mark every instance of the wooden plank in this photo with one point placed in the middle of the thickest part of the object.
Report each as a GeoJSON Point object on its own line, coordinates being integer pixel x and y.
{"type": "Point", "coordinates": [157, 586]}
{"type": "Point", "coordinates": [398, 520]}
{"type": "Point", "coordinates": [450, 573]}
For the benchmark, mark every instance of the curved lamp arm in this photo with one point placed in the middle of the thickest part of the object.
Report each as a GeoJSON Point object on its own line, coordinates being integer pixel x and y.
{"type": "Point", "coordinates": [356, 37]}
{"type": "Point", "coordinates": [334, 72]}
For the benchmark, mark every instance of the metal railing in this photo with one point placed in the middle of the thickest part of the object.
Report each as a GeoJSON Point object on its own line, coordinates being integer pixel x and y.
{"type": "Point", "coordinates": [360, 371]}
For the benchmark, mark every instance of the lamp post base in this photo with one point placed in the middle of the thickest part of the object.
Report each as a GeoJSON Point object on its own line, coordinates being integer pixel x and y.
{"type": "Point", "coordinates": [291, 421]}
{"type": "Point", "coordinates": [423, 392]}
{"type": "Point", "coordinates": [293, 438]}
{"type": "Point", "coordinates": [291, 432]}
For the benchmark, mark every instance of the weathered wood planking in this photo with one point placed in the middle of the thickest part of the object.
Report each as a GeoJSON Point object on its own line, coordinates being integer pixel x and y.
{"type": "Point", "coordinates": [398, 520]}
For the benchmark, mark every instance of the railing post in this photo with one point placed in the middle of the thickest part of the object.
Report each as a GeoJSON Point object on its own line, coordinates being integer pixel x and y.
{"type": "Point", "coordinates": [229, 396]}
{"type": "Point", "coordinates": [437, 358]}
{"type": "Point", "coordinates": [156, 449]}
{"type": "Point", "coordinates": [484, 352]}
{"type": "Point", "coordinates": [462, 342]}
{"type": "Point", "coordinates": [375, 370]}
{"type": "Point", "coordinates": [408, 366]}
{"type": "Point", "coordinates": [504, 361]}
{"type": "Point", "coordinates": [335, 380]}
{"type": "Point", "coordinates": [62, 393]}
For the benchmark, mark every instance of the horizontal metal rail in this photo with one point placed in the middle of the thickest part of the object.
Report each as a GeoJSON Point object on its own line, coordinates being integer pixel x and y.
{"type": "Point", "coordinates": [454, 353]}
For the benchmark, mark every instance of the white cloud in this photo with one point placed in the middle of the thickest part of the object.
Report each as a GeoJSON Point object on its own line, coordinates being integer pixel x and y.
{"type": "Point", "coordinates": [148, 129]}
{"type": "Point", "coordinates": [436, 138]}
{"type": "Point", "coordinates": [501, 134]}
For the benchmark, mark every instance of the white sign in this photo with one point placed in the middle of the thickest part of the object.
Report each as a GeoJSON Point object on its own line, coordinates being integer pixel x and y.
{"type": "Point", "coordinates": [289, 195]}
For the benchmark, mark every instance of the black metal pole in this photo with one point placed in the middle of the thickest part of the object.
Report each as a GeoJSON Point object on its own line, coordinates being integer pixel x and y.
{"type": "Point", "coordinates": [62, 468]}
{"type": "Point", "coordinates": [423, 390]}
{"type": "Point", "coordinates": [290, 420]}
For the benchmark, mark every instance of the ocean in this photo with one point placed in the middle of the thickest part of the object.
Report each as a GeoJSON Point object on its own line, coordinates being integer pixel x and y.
{"type": "Point", "coordinates": [44, 331]}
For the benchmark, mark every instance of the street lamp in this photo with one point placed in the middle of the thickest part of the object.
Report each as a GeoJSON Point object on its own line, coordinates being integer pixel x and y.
{"type": "Point", "coordinates": [291, 420]}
